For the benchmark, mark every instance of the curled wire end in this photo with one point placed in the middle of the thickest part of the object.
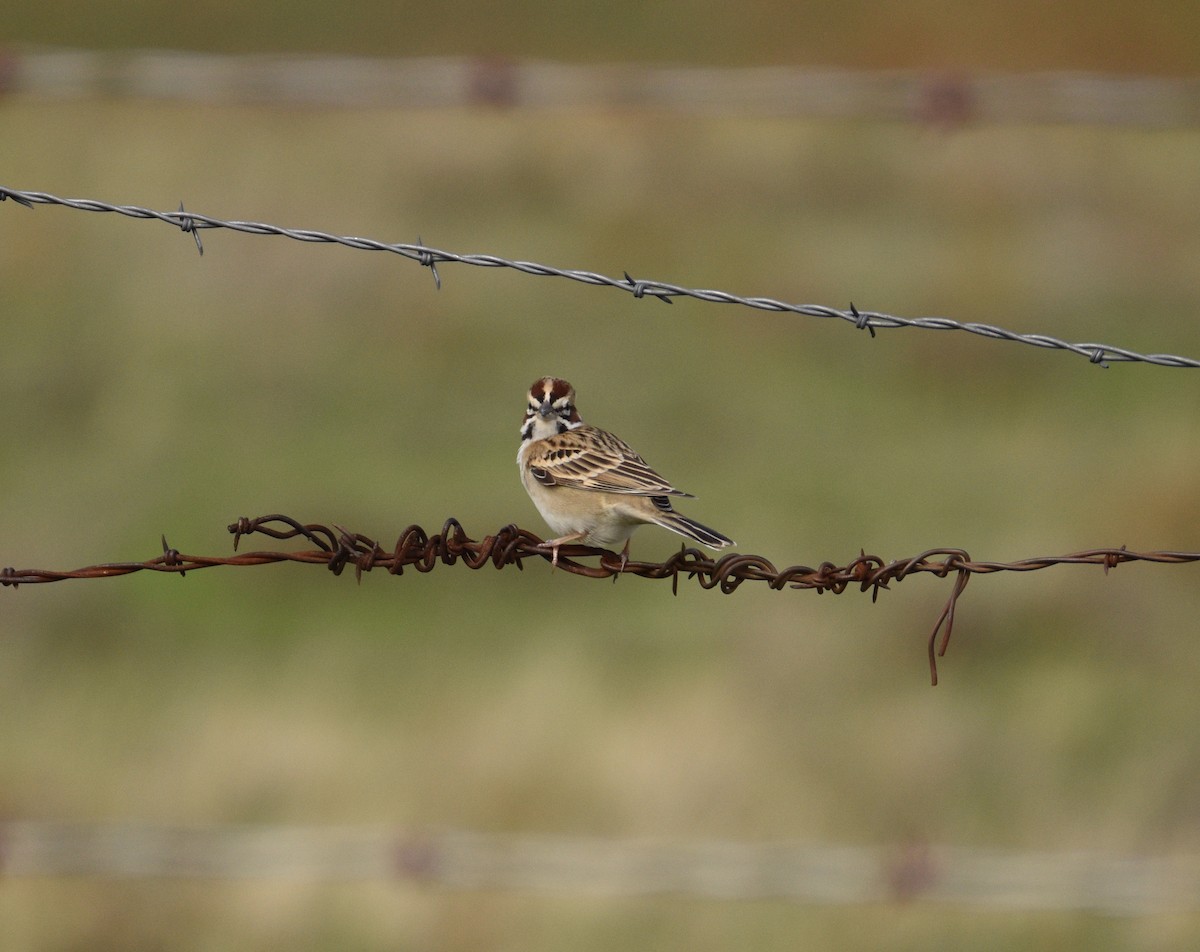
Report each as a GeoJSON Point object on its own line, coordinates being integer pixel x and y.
{"type": "Point", "coordinates": [861, 321]}
{"type": "Point", "coordinates": [188, 226]}
{"type": "Point", "coordinates": [1098, 358]}
{"type": "Point", "coordinates": [19, 199]}
{"type": "Point", "coordinates": [426, 260]}
{"type": "Point", "coordinates": [642, 288]}
{"type": "Point", "coordinates": [8, 577]}
{"type": "Point", "coordinates": [945, 622]}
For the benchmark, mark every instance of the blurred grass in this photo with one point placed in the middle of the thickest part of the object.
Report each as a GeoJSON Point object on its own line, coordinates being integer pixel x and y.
{"type": "Point", "coordinates": [1106, 36]}
{"type": "Point", "coordinates": [150, 391]}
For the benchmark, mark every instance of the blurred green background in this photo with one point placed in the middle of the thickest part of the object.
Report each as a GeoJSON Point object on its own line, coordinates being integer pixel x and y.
{"type": "Point", "coordinates": [148, 390]}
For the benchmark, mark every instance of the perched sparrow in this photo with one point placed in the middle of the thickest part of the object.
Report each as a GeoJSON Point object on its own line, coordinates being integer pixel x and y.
{"type": "Point", "coordinates": [588, 484]}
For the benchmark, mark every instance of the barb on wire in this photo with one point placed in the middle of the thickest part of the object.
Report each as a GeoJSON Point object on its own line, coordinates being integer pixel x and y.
{"type": "Point", "coordinates": [662, 290]}
{"type": "Point", "coordinates": [639, 289]}
{"type": "Point", "coordinates": [337, 548]}
{"type": "Point", "coordinates": [427, 260]}
{"type": "Point", "coordinates": [861, 321]}
{"type": "Point", "coordinates": [189, 227]}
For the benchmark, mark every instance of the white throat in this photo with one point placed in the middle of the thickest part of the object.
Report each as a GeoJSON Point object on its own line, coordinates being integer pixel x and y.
{"type": "Point", "coordinates": [538, 427]}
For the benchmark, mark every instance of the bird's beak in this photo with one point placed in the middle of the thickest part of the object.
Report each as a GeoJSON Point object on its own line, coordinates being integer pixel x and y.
{"type": "Point", "coordinates": [546, 409]}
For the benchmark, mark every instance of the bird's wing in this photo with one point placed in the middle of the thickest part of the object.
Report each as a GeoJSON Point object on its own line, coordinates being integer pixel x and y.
{"type": "Point", "coordinates": [595, 460]}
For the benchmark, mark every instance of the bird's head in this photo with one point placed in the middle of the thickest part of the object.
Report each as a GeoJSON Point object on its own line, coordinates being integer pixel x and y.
{"type": "Point", "coordinates": [551, 409]}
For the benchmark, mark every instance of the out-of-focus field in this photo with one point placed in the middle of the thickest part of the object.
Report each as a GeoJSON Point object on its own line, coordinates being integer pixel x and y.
{"type": "Point", "coordinates": [1157, 36]}
{"type": "Point", "coordinates": [147, 390]}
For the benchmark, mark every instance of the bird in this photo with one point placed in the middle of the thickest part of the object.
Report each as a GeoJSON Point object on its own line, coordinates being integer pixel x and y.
{"type": "Point", "coordinates": [589, 485]}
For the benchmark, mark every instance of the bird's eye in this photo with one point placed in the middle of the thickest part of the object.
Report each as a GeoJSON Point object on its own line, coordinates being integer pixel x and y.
{"type": "Point", "coordinates": [565, 408]}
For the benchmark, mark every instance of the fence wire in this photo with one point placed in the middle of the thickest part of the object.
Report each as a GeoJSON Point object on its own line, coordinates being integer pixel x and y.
{"type": "Point", "coordinates": [193, 223]}
{"type": "Point", "coordinates": [540, 863]}
{"type": "Point", "coordinates": [338, 548]}
{"type": "Point", "coordinates": [942, 98]}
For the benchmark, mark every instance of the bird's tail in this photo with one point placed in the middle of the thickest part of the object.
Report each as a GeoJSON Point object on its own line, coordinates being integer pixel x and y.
{"type": "Point", "coordinates": [692, 529]}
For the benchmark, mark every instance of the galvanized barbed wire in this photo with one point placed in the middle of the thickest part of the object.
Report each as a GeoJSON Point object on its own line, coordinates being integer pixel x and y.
{"type": "Point", "coordinates": [338, 548]}
{"type": "Point", "coordinates": [192, 222]}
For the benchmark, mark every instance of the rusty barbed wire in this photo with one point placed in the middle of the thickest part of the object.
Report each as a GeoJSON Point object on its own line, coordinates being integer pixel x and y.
{"type": "Point", "coordinates": [338, 548]}
{"type": "Point", "coordinates": [192, 222]}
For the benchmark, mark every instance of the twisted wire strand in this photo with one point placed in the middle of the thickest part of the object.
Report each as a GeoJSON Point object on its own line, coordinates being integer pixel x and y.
{"type": "Point", "coordinates": [338, 548]}
{"type": "Point", "coordinates": [192, 223]}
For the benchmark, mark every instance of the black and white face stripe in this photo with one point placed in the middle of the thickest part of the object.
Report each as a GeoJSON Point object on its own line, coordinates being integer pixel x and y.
{"type": "Point", "coordinates": [551, 409]}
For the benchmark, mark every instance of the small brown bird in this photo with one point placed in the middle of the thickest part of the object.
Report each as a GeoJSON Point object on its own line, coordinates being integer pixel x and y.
{"type": "Point", "coordinates": [589, 485]}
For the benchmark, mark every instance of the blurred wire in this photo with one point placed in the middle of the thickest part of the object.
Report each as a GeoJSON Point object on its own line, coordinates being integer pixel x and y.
{"type": "Point", "coordinates": [577, 865]}
{"type": "Point", "coordinates": [191, 223]}
{"type": "Point", "coordinates": [943, 98]}
{"type": "Point", "coordinates": [337, 548]}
